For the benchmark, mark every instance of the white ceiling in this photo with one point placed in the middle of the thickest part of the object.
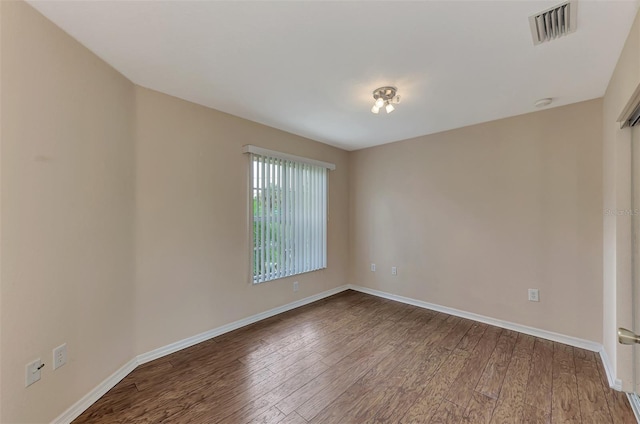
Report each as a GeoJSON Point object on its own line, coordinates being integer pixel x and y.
{"type": "Point", "coordinates": [309, 67]}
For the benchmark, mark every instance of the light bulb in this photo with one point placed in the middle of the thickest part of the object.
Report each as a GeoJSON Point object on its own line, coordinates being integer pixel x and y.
{"type": "Point", "coordinates": [379, 102]}
{"type": "Point", "coordinates": [375, 109]}
{"type": "Point", "coordinates": [390, 108]}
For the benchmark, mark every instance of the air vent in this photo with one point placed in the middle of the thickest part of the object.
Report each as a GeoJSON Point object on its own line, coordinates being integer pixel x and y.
{"type": "Point", "coordinates": [553, 23]}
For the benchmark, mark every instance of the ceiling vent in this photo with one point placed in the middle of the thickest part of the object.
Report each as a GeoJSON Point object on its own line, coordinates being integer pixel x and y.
{"type": "Point", "coordinates": [554, 23]}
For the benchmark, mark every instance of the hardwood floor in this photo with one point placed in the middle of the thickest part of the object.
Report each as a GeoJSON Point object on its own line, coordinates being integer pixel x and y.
{"type": "Point", "coordinates": [355, 358]}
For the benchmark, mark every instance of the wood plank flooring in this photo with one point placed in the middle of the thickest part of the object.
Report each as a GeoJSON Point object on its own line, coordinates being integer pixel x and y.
{"type": "Point", "coordinates": [355, 358]}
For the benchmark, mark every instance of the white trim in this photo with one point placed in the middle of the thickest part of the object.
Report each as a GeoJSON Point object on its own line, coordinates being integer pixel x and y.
{"type": "Point", "coordinates": [544, 334]}
{"type": "Point", "coordinates": [634, 400]}
{"type": "Point", "coordinates": [614, 383]}
{"type": "Point", "coordinates": [198, 338]}
{"type": "Point", "coordinates": [629, 108]}
{"type": "Point", "coordinates": [90, 398]}
{"type": "Point", "coordinates": [249, 148]}
{"type": "Point", "coordinates": [83, 404]}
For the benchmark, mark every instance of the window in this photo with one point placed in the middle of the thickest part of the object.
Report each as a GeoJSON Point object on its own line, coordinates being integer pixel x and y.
{"type": "Point", "coordinates": [288, 205]}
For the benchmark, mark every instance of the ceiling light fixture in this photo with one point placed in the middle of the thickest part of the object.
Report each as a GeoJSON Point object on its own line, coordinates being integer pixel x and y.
{"type": "Point", "coordinates": [385, 97]}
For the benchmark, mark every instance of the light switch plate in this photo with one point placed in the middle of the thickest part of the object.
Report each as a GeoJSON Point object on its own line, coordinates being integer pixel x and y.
{"type": "Point", "coordinates": [33, 372]}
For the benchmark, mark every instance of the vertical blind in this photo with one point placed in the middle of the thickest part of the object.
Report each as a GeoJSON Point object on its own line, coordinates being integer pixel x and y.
{"type": "Point", "coordinates": [289, 217]}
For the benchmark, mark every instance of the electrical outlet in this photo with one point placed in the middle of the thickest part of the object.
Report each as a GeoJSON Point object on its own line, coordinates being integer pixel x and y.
{"type": "Point", "coordinates": [295, 286]}
{"type": "Point", "coordinates": [59, 356]}
{"type": "Point", "coordinates": [33, 372]}
{"type": "Point", "coordinates": [373, 267]}
{"type": "Point", "coordinates": [534, 295]}
{"type": "Point", "coordinates": [394, 270]}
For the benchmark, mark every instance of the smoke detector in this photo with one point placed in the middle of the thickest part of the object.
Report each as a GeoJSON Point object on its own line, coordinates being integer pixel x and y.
{"type": "Point", "coordinates": [554, 23]}
{"type": "Point", "coordinates": [543, 102]}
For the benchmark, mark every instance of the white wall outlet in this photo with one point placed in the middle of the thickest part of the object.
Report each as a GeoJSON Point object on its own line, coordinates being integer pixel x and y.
{"type": "Point", "coordinates": [295, 286]}
{"type": "Point", "coordinates": [394, 270]}
{"type": "Point", "coordinates": [373, 267]}
{"type": "Point", "coordinates": [59, 356]}
{"type": "Point", "coordinates": [534, 295]}
{"type": "Point", "coordinates": [33, 372]}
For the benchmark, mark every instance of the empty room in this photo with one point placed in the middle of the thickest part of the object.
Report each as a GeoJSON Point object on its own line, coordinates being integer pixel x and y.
{"type": "Point", "coordinates": [319, 211]}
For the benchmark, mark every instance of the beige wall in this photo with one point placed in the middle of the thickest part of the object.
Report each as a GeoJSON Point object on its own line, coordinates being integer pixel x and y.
{"type": "Point", "coordinates": [123, 217]}
{"type": "Point", "coordinates": [474, 217]}
{"type": "Point", "coordinates": [67, 174]}
{"type": "Point", "coordinates": [92, 166]}
{"type": "Point", "coordinates": [191, 220]}
{"type": "Point", "coordinates": [617, 292]}
{"type": "Point", "coordinates": [1, 238]}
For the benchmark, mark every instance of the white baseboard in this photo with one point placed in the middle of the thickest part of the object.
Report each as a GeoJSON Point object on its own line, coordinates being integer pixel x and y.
{"type": "Point", "coordinates": [79, 407]}
{"type": "Point", "coordinates": [543, 334]}
{"type": "Point", "coordinates": [634, 400]}
{"type": "Point", "coordinates": [89, 399]}
{"type": "Point", "coordinates": [614, 383]}
{"type": "Point", "coordinates": [198, 338]}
